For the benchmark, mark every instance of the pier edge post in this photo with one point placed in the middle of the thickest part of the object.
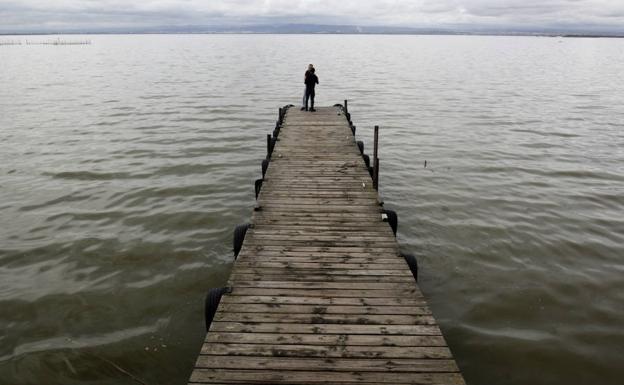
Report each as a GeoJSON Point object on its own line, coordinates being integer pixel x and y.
{"type": "Point", "coordinates": [376, 159]}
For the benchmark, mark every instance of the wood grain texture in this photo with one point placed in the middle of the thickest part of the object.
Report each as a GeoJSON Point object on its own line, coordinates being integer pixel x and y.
{"type": "Point", "coordinates": [320, 292]}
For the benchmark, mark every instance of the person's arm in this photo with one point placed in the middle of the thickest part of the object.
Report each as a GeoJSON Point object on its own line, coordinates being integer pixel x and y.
{"type": "Point", "coordinates": [317, 82]}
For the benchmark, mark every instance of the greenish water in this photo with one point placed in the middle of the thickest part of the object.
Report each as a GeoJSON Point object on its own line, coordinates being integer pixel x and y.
{"type": "Point", "coordinates": [125, 165]}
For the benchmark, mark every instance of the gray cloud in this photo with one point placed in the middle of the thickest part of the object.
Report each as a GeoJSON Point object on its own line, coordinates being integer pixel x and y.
{"type": "Point", "coordinates": [94, 14]}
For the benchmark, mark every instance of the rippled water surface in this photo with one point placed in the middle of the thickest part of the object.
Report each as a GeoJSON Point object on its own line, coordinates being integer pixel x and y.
{"type": "Point", "coordinates": [125, 165]}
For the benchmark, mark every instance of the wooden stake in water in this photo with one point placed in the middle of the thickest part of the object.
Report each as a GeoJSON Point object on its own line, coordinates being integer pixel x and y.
{"type": "Point", "coordinates": [376, 159]}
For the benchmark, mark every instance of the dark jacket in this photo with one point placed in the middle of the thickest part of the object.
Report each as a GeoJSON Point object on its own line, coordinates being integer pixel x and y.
{"type": "Point", "coordinates": [311, 80]}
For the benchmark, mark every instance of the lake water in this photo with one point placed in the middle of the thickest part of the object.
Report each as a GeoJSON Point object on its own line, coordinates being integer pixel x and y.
{"type": "Point", "coordinates": [125, 165]}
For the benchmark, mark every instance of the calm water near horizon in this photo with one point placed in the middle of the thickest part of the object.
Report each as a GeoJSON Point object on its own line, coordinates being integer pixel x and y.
{"type": "Point", "coordinates": [126, 164]}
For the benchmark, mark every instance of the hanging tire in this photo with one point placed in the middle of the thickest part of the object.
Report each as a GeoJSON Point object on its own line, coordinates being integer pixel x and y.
{"type": "Point", "coordinates": [239, 238]}
{"type": "Point", "coordinates": [258, 186]}
{"type": "Point", "coordinates": [392, 220]}
{"type": "Point", "coordinates": [360, 145]}
{"type": "Point", "coordinates": [212, 303]}
{"type": "Point", "coordinates": [265, 166]}
{"type": "Point", "coordinates": [413, 265]}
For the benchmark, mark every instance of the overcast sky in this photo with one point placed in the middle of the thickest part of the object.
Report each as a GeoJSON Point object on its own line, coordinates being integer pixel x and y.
{"type": "Point", "coordinates": [16, 15]}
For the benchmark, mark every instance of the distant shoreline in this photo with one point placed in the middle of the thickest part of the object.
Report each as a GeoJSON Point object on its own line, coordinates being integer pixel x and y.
{"type": "Point", "coordinates": [527, 34]}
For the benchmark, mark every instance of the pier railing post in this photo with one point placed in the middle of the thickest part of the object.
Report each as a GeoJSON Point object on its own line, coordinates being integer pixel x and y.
{"type": "Point", "coordinates": [346, 107]}
{"type": "Point", "coordinates": [268, 146]}
{"type": "Point", "coordinates": [376, 159]}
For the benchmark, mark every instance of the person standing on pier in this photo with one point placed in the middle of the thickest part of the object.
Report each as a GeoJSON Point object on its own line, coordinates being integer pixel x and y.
{"type": "Point", "coordinates": [310, 81]}
{"type": "Point", "coordinates": [305, 88]}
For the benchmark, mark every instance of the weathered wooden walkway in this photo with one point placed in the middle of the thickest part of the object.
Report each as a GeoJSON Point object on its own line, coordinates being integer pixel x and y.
{"type": "Point", "coordinates": [320, 293]}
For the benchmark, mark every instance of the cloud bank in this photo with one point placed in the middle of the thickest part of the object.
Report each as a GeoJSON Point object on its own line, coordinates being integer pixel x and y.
{"type": "Point", "coordinates": [25, 15]}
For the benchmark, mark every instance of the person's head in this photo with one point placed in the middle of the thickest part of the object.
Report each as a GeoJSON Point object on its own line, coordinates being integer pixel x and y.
{"type": "Point", "coordinates": [310, 67]}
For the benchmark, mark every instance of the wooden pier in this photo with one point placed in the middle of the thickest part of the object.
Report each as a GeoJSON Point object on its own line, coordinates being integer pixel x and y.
{"type": "Point", "coordinates": [320, 293]}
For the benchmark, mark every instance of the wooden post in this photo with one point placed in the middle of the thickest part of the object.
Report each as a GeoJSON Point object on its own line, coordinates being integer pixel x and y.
{"type": "Point", "coordinates": [376, 173]}
{"type": "Point", "coordinates": [268, 146]}
{"type": "Point", "coordinates": [346, 107]}
{"type": "Point", "coordinates": [376, 159]}
{"type": "Point", "coordinates": [280, 116]}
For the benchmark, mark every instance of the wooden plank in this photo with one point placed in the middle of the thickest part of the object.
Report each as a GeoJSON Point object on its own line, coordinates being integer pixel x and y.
{"type": "Point", "coordinates": [323, 300]}
{"type": "Point", "coordinates": [328, 351]}
{"type": "Point", "coordinates": [373, 292]}
{"type": "Point", "coordinates": [262, 263]}
{"type": "Point", "coordinates": [377, 289]}
{"type": "Point", "coordinates": [277, 227]}
{"type": "Point", "coordinates": [251, 376]}
{"type": "Point", "coordinates": [311, 318]}
{"type": "Point", "coordinates": [273, 261]}
{"type": "Point", "coordinates": [328, 365]}
{"type": "Point", "coordinates": [371, 250]}
{"type": "Point", "coordinates": [324, 339]}
{"type": "Point", "coordinates": [326, 231]}
{"type": "Point", "coordinates": [299, 277]}
{"type": "Point", "coordinates": [291, 270]}
{"type": "Point", "coordinates": [350, 238]}
{"type": "Point", "coordinates": [275, 308]}
{"type": "Point", "coordinates": [388, 259]}
{"type": "Point", "coordinates": [202, 375]}
{"type": "Point", "coordinates": [286, 328]}
{"type": "Point", "coordinates": [319, 241]}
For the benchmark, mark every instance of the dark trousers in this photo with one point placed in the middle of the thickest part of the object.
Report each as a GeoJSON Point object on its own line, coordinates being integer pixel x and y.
{"type": "Point", "coordinates": [309, 95]}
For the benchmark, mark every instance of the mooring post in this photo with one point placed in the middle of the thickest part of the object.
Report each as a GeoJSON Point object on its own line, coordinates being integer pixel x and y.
{"type": "Point", "coordinates": [346, 107]}
{"type": "Point", "coordinates": [376, 159]}
{"type": "Point", "coordinates": [280, 116]}
{"type": "Point", "coordinates": [376, 172]}
{"type": "Point", "coordinates": [268, 146]}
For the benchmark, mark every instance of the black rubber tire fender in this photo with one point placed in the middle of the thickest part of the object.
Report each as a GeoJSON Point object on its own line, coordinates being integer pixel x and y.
{"type": "Point", "coordinates": [265, 166]}
{"type": "Point", "coordinates": [258, 186]}
{"type": "Point", "coordinates": [239, 238]}
{"type": "Point", "coordinates": [360, 145]}
{"type": "Point", "coordinates": [212, 303]}
{"type": "Point", "coordinates": [393, 220]}
{"type": "Point", "coordinates": [413, 265]}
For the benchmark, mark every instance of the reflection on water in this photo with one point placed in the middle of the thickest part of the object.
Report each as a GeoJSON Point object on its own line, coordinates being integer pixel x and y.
{"type": "Point", "coordinates": [125, 164]}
